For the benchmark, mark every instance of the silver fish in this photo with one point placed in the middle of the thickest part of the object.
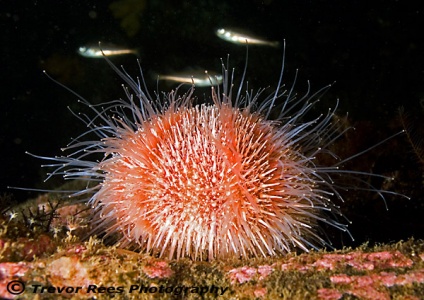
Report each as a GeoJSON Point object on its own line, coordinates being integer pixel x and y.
{"type": "Point", "coordinates": [98, 51]}
{"type": "Point", "coordinates": [241, 37]}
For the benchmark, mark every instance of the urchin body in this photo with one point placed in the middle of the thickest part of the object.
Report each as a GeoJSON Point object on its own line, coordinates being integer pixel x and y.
{"type": "Point", "coordinates": [208, 181]}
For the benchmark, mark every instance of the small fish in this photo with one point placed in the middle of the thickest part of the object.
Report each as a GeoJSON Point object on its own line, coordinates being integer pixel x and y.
{"type": "Point", "coordinates": [198, 78]}
{"type": "Point", "coordinates": [100, 50]}
{"type": "Point", "coordinates": [240, 37]}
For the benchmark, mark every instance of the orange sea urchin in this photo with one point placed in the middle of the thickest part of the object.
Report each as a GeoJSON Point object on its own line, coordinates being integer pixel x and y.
{"type": "Point", "coordinates": [179, 179]}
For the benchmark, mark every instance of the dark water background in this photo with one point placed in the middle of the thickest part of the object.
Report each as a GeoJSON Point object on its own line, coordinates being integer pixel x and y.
{"type": "Point", "coordinates": [374, 50]}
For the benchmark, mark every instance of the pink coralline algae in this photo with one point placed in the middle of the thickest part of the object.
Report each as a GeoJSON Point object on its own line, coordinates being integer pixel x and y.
{"type": "Point", "coordinates": [158, 269]}
{"type": "Point", "coordinates": [369, 286]}
{"type": "Point", "coordinates": [357, 260]}
{"type": "Point", "coordinates": [381, 267]}
{"type": "Point", "coordinates": [260, 292]}
{"type": "Point", "coordinates": [68, 271]}
{"type": "Point", "coordinates": [264, 271]}
{"type": "Point", "coordinates": [78, 249]}
{"type": "Point", "coordinates": [245, 274]}
{"type": "Point", "coordinates": [10, 271]}
{"type": "Point", "coordinates": [329, 294]}
{"type": "Point", "coordinates": [242, 274]}
{"type": "Point", "coordinates": [383, 278]}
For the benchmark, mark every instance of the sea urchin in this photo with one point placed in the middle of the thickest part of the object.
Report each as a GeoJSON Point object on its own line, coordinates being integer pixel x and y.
{"type": "Point", "coordinates": [208, 181]}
